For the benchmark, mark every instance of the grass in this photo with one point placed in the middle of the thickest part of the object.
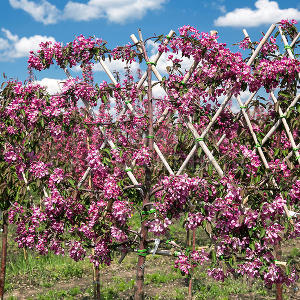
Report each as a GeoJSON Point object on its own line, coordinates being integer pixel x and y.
{"type": "Point", "coordinates": [44, 271]}
{"type": "Point", "coordinates": [160, 277]}
{"type": "Point", "coordinates": [209, 289]}
{"type": "Point", "coordinates": [59, 294]}
{"type": "Point", "coordinates": [57, 277]}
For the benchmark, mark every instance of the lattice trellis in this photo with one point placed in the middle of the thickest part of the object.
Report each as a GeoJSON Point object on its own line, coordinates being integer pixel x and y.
{"type": "Point", "coordinates": [199, 137]}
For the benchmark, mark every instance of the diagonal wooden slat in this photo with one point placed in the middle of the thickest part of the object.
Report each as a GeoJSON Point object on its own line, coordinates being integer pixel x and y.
{"type": "Point", "coordinates": [156, 58]}
{"type": "Point", "coordinates": [287, 129]}
{"type": "Point", "coordinates": [276, 125]}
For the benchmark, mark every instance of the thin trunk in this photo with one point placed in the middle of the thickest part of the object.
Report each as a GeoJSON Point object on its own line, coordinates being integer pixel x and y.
{"type": "Point", "coordinates": [140, 273]}
{"type": "Point", "coordinates": [278, 254]}
{"type": "Point", "coordinates": [96, 283]}
{"type": "Point", "coordinates": [96, 271]}
{"type": "Point", "coordinates": [191, 275]}
{"type": "Point", "coordinates": [3, 254]}
{"type": "Point", "coordinates": [25, 253]}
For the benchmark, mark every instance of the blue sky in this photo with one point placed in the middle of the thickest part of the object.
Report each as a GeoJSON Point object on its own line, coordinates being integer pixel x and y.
{"type": "Point", "coordinates": [25, 23]}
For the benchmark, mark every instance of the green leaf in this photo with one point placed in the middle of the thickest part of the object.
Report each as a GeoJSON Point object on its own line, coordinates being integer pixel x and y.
{"type": "Point", "coordinates": [213, 256]}
{"type": "Point", "coordinates": [262, 232]}
{"type": "Point", "coordinates": [72, 182]}
{"type": "Point", "coordinates": [104, 98]}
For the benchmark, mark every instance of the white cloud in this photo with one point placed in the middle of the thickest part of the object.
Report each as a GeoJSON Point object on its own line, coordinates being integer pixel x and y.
{"type": "Point", "coordinates": [164, 62]}
{"type": "Point", "coordinates": [218, 4]}
{"type": "Point", "coordinates": [9, 35]}
{"type": "Point", "coordinates": [15, 47]}
{"type": "Point", "coordinates": [158, 91]}
{"type": "Point", "coordinates": [82, 12]}
{"type": "Point", "coordinates": [24, 45]}
{"type": "Point", "coordinates": [118, 11]}
{"type": "Point", "coordinates": [53, 86]}
{"type": "Point", "coordinates": [266, 12]}
{"type": "Point", "coordinates": [43, 11]}
{"type": "Point", "coordinates": [4, 44]}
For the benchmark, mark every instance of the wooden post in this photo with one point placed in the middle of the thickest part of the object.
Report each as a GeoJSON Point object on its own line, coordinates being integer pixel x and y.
{"type": "Point", "coordinates": [3, 254]}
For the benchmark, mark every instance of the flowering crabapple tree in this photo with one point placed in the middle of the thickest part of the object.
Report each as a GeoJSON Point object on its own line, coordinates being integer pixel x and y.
{"type": "Point", "coordinates": [117, 149]}
{"type": "Point", "coordinates": [30, 125]}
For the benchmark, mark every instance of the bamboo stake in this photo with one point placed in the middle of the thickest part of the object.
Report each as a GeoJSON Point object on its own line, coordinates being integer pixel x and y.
{"type": "Point", "coordinates": [276, 125]}
{"type": "Point", "coordinates": [190, 155]}
{"type": "Point", "coordinates": [275, 100]}
{"type": "Point", "coordinates": [295, 39]}
{"type": "Point", "coordinates": [287, 128]}
{"type": "Point", "coordinates": [205, 149]}
{"type": "Point", "coordinates": [285, 42]}
{"type": "Point", "coordinates": [192, 152]}
{"type": "Point", "coordinates": [262, 156]}
{"type": "Point", "coordinates": [265, 38]}
{"type": "Point", "coordinates": [156, 58]}
{"type": "Point", "coordinates": [290, 153]}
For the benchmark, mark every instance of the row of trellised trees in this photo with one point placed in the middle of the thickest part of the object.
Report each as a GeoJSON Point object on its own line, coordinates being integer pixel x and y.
{"type": "Point", "coordinates": [75, 166]}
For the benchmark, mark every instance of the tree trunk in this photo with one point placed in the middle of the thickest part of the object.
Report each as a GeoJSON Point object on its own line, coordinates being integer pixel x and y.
{"type": "Point", "coordinates": [139, 287]}
{"type": "Point", "coordinates": [278, 254]}
{"type": "Point", "coordinates": [191, 275]}
{"type": "Point", "coordinates": [3, 254]}
{"type": "Point", "coordinates": [140, 272]}
{"type": "Point", "coordinates": [96, 283]}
